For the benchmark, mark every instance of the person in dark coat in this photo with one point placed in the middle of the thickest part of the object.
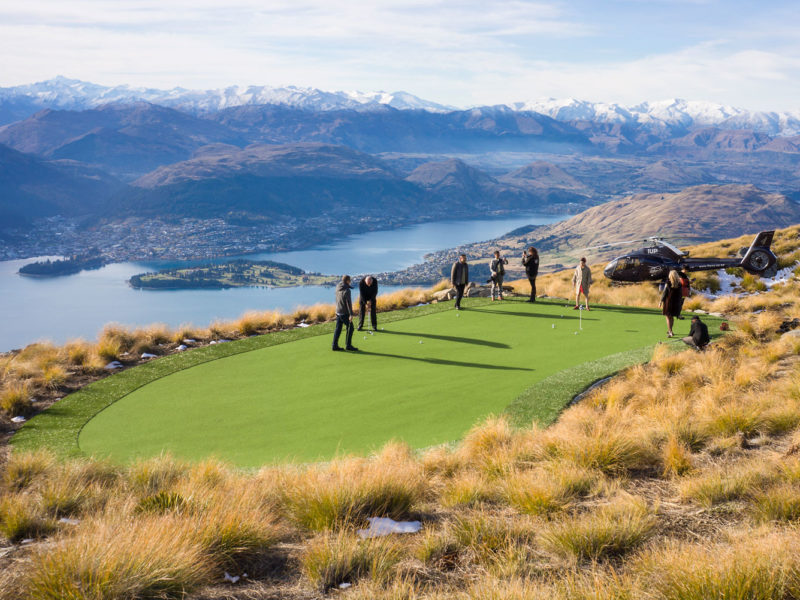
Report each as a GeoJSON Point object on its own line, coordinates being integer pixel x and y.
{"type": "Point", "coordinates": [459, 277]}
{"type": "Point", "coordinates": [698, 337]}
{"type": "Point", "coordinates": [671, 300]}
{"type": "Point", "coordinates": [367, 294]}
{"type": "Point", "coordinates": [686, 287]}
{"type": "Point", "coordinates": [344, 315]}
{"type": "Point", "coordinates": [531, 263]}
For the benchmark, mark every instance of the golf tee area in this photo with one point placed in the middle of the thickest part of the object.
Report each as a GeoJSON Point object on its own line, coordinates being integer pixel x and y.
{"type": "Point", "coordinates": [425, 377]}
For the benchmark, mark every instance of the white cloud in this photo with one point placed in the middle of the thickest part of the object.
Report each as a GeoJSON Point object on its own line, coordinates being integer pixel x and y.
{"type": "Point", "coordinates": [459, 53]}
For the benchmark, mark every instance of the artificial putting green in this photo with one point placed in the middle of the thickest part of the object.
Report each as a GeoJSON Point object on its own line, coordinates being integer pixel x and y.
{"type": "Point", "coordinates": [424, 380]}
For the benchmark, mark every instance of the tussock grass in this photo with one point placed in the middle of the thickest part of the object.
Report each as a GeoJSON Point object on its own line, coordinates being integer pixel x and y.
{"type": "Point", "coordinates": [65, 494]}
{"type": "Point", "coordinates": [25, 467]}
{"type": "Point", "coordinates": [20, 518]}
{"type": "Point", "coordinates": [340, 557]}
{"type": "Point", "coordinates": [152, 558]}
{"type": "Point", "coordinates": [161, 503]}
{"type": "Point", "coordinates": [758, 567]}
{"type": "Point", "coordinates": [349, 491]}
{"type": "Point", "coordinates": [779, 503]}
{"type": "Point", "coordinates": [718, 485]}
{"type": "Point", "coordinates": [469, 489]}
{"type": "Point", "coordinates": [676, 457]}
{"type": "Point", "coordinates": [15, 399]}
{"type": "Point", "coordinates": [155, 475]}
{"type": "Point", "coordinates": [234, 529]}
{"type": "Point", "coordinates": [549, 488]}
{"type": "Point", "coordinates": [439, 549]}
{"type": "Point", "coordinates": [614, 530]}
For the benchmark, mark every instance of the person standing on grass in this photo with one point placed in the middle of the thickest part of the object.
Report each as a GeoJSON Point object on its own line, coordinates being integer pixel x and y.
{"type": "Point", "coordinates": [498, 271]}
{"type": "Point", "coordinates": [459, 277]}
{"type": "Point", "coordinates": [686, 287]}
{"type": "Point", "coordinates": [531, 263]}
{"type": "Point", "coordinates": [368, 294]}
{"type": "Point", "coordinates": [698, 337]}
{"type": "Point", "coordinates": [582, 280]}
{"type": "Point", "coordinates": [344, 315]}
{"type": "Point", "coordinates": [671, 300]}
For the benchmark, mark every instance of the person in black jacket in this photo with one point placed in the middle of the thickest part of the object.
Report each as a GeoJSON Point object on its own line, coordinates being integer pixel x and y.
{"type": "Point", "coordinates": [459, 277]}
{"type": "Point", "coordinates": [698, 337]}
{"type": "Point", "coordinates": [367, 294]}
{"type": "Point", "coordinates": [344, 315]}
{"type": "Point", "coordinates": [671, 300]}
{"type": "Point", "coordinates": [531, 263]}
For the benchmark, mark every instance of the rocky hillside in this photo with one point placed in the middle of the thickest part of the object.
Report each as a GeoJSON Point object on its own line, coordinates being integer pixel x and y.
{"type": "Point", "coordinates": [695, 214]}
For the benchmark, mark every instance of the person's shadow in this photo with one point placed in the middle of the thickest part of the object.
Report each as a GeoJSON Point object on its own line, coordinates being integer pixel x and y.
{"type": "Point", "coordinates": [445, 362]}
{"type": "Point", "coordinates": [450, 338]}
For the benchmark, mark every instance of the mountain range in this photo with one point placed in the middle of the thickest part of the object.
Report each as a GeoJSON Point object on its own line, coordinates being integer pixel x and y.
{"type": "Point", "coordinates": [18, 102]}
{"type": "Point", "coordinates": [334, 160]}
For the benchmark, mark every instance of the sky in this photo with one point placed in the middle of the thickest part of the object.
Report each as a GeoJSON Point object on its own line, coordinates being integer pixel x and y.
{"type": "Point", "coordinates": [461, 53]}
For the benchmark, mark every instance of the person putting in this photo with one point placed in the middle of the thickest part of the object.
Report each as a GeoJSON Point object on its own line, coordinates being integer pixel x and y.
{"type": "Point", "coordinates": [368, 295]}
{"type": "Point", "coordinates": [498, 270]}
{"type": "Point", "coordinates": [582, 280]}
{"type": "Point", "coordinates": [531, 263]}
{"type": "Point", "coordinates": [459, 277]}
{"type": "Point", "coordinates": [698, 337]}
{"type": "Point", "coordinates": [344, 316]}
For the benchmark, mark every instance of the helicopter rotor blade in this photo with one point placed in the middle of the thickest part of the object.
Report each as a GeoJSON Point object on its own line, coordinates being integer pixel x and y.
{"type": "Point", "coordinates": [653, 238]}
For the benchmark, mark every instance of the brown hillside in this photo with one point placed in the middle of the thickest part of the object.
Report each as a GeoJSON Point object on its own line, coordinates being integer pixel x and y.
{"type": "Point", "coordinates": [696, 214]}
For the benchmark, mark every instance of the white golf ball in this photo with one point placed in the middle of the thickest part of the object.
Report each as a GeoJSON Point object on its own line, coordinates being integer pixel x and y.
{"type": "Point", "coordinates": [554, 325]}
{"type": "Point", "coordinates": [420, 341]}
{"type": "Point", "coordinates": [576, 333]}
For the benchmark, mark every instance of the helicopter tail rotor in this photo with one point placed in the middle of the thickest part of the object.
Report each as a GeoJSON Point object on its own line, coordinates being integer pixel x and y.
{"type": "Point", "coordinates": [759, 259]}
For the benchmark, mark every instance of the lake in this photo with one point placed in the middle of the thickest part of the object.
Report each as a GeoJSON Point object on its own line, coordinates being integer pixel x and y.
{"type": "Point", "coordinates": [72, 306]}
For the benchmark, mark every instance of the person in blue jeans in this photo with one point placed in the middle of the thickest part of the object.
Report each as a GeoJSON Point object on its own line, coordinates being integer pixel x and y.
{"type": "Point", "coordinates": [344, 315]}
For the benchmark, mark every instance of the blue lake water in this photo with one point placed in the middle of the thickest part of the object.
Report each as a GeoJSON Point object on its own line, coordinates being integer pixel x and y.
{"type": "Point", "coordinates": [63, 308]}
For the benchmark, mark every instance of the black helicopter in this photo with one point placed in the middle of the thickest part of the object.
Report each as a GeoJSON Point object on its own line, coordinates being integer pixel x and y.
{"type": "Point", "coordinates": [654, 262]}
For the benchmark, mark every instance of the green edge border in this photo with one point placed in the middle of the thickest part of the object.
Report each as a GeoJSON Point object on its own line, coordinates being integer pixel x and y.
{"type": "Point", "coordinates": [58, 427]}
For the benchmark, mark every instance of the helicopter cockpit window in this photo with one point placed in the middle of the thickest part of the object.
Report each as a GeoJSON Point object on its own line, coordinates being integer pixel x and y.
{"type": "Point", "coordinates": [625, 264]}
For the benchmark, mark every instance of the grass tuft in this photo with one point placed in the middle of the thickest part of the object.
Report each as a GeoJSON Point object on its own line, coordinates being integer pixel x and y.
{"type": "Point", "coordinates": [153, 558]}
{"type": "Point", "coordinates": [340, 557]}
{"type": "Point", "coordinates": [20, 519]}
{"type": "Point", "coordinates": [613, 530]}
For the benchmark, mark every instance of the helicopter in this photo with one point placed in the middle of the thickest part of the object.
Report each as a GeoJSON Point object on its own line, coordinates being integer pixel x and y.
{"type": "Point", "coordinates": [654, 262]}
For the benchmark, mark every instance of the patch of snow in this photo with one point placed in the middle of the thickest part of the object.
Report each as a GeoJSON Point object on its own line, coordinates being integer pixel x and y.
{"type": "Point", "coordinates": [148, 355]}
{"type": "Point", "coordinates": [782, 276]}
{"type": "Point", "coordinates": [189, 341]}
{"type": "Point", "coordinates": [114, 364]}
{"type": "Point", "coordinates": [344, 585]}
{"type": "Point", "coordinates": [379, 526]}
{"type": "Point", "coordinates": [67, 521]}
{"type": "Point", "coordinates": [182, 347]}
{"type": "Point", "coordinates": [303, 324]}
{"type": "Point", "coordinates": [231, 578]}
{"type": "Point", "coordinates": [18, 419]}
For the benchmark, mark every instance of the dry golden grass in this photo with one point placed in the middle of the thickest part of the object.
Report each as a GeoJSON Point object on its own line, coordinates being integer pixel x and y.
{"type": "Point", "coordinates": [613, 530]}
{"type": "Point", "coordinates": [341, 557]}
{"type": "Point", "coordinates": [112, 560]}
{"type": "Point", "coordinates": [347, 491]}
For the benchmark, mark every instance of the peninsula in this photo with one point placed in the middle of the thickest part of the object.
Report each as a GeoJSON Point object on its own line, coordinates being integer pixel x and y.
{"type": "Point", "coordinates": [235, 273]}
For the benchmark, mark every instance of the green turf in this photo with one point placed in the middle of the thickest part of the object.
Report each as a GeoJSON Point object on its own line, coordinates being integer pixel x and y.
{"type": "Point", "coordinates": [300, 401]}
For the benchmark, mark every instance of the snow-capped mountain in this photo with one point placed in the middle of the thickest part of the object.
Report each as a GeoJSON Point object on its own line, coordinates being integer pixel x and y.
{"type": "Point", "coordinates": [72, 94]}
{"type": "Point", "coordinates": [667, 113]}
